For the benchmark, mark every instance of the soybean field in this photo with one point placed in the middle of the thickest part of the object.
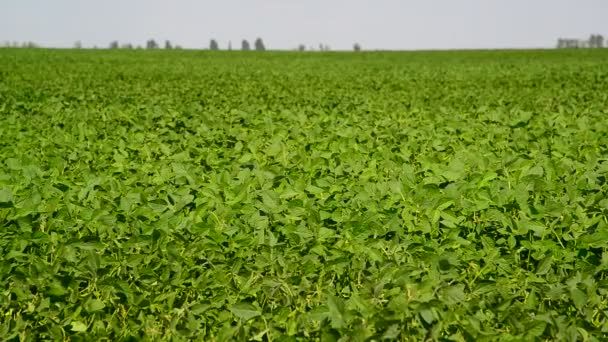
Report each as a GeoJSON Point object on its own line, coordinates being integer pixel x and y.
{"type": "Point", "coordinates": [303, 196]}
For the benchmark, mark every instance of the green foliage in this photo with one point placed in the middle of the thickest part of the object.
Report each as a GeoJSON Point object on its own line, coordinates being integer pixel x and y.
{"type": "Point", "coordinates": [180, 195]}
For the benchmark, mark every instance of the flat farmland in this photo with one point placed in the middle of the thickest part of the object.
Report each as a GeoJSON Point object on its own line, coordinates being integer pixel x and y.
{"type": "Point", "coordinates": [285, 196]}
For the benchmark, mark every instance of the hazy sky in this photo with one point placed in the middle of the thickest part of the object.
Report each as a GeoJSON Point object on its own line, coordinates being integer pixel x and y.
{"type": "Point", "coordinates": [283, 24]}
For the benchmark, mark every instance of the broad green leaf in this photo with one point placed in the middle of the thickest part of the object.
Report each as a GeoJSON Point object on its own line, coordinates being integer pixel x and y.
{"type": "Point", "coordinates": [544, 266]}
{"type": "Point", "coordinates": [78, 326]}
{"type": "Point", "coordinates": [427, 315]}
{"type": "Point", "coordinates": [336, 312]}
{"type": "Point", "coordinates": [93, 305]}
{"type": "Point", "coordinates": [6, 195]}
{"type": "Point", "coordinates": [578, 297]}
{"type": "Point", "coordinates": [453, 294]}
{"type": "Point", "coordinates": [245, 311]}
{"type": "Point", "coordinates": [536, 329]}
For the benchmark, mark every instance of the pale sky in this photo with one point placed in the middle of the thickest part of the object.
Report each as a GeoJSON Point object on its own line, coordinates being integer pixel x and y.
{"type": "Point", "coordinates": [284, 24]}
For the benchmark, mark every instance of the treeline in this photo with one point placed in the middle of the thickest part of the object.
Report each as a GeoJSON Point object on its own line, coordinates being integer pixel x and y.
{"type": "Point", "coordinates": [28, 45]}
{"type": "Point", "coordinates": [258, 45]}
{"type": "Point", "coordinates": [151, 44]}
{"type": "Point", "coordinates": [595, 41]}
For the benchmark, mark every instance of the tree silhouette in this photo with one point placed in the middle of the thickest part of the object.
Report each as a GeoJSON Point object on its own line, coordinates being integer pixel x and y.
{"type": "Point", "coordinates": [245, 45]}
{"type": "Point", "coordinates": [323, 47]}
{"type": "Point", "coordinates": [114, 44]}
{"type": "Point", "coordinates": [592, 41]}
{"type": "Point", "coordinates": [357, 47]}
{"type": "Point", "coordinates": [213, 45]}
{"type": "Point", "coordinates": [151, 44]}
{"type": "Point", "coordinates": [596, 41]}
{"type": "Point", "coordinates": [168, 45]}
{"type": "Point", "coordinates": [259, 45]}
{"type": "Point", "coordinates": [301, 47]}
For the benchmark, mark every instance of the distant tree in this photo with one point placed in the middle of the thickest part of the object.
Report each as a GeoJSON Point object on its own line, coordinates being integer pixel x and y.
{"type": "Point", "coordinates": [168, 45]}
{"type": "Point", "coordinates": [177, 47]}
{"type": "Point", "coordinates": [592, 41]}
{"type": "Point", "coordinates": [357, 47]}
{"type": "Point", "coordinates": [323, 47]}
{"type": "Point", "coordinates": [114, 44]}
{"type": "Point", "coordinates": [596, 41]}
{"type": "Point", "coordinates": [245, 45]}
{"type": "Point", "coordinates": [229, 45]}
{"type": "Point", "coordinates": [259, 45]}
{"type": "Point", "coordinates": [301, 47]}
{"type": "Point", "coordinates": [151, 44]}
{"type": "Point", "coordinates": [127, 46]}
{"type": "Point", "coordinates": [213, 45]}
{"type": "Point", "coordinates": [78, 44]}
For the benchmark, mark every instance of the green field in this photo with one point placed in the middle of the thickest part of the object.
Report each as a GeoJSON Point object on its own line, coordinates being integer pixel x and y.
{"type": "Point", "coordinates": [283, 196]}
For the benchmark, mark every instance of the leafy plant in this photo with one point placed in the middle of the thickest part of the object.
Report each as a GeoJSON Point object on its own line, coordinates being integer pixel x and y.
{"type": "Point", "coordinates": [179, 195]}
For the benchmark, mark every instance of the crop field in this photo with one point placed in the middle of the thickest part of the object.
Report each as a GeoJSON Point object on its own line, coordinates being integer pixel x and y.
{"type": "Point", "coordinates": [284, 196]}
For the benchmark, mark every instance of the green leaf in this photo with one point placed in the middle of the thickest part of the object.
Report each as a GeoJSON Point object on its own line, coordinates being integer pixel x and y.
{"type": "Point", "coordinates": [427, 315]}
{"type": "Point", "coordinates": [487, 179]}
{"type": "Point", "coordinates": [319, 313]}
{"type": "Point", "coordinates": [535, 171]}
{"type": "Point", "coordinates": [597, 239]}
{"type": "Point", "coordinates": [453, 294]}
{"type": "Point", "coordinates": [93, 305]}
{"type": "Point", "coordinates": [13, 164]}
{"type": "Point", "coordinates": [336, 312]}
{"type": "Point", "coordinates": [198, 309]}
{"type": "Point", "coordinates": [289, 194]}
{"type": "Point", "coordinates": [6, 195]}
{"type": "Point", "coordinates": [526, 225]}
{"type": "Point", "coordinates": [544, 265]}
{"type": "Point", "coordinates": [578, 297]}
{"type": "Point", "coordinates": [55, 289]}
{"type": "Point", "coordinates": [445, 205]}
{"type": "Point", "coordinates": [536, 329]}
{"type": "Point", "coordinates": [245, 311]}
{"type": "Point", "coordinates": [392, 333]}
{"type": "Point", "coordinates": [128, 201]}
{"type": "Point", "coordinates": [78, 326]}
